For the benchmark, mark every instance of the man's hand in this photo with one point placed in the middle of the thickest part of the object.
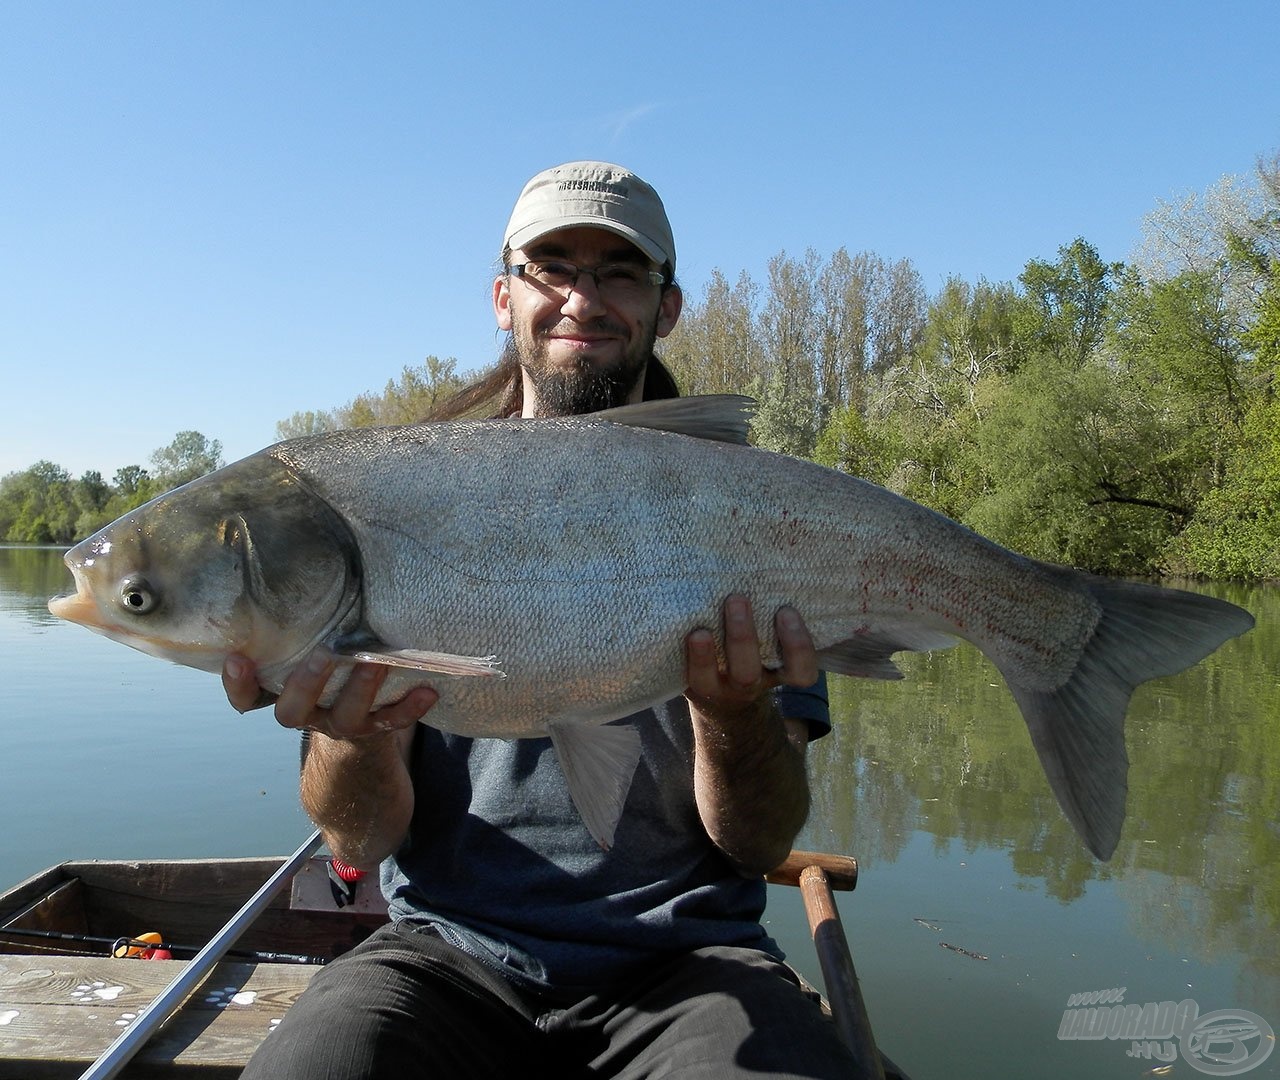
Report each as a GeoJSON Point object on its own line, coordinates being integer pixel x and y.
{"type": "Point", "coordinates": [749, 775]}
{"type": "Point", "coordinates": [743, 679]}
{"type": "Point", "coordinates": [355, 778]}
{"type": "Point", "coordinates": [350, 716]}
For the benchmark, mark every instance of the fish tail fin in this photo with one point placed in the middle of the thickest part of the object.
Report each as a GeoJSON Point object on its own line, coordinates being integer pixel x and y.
{"type": "Point", "coordinates": [1078, 729]}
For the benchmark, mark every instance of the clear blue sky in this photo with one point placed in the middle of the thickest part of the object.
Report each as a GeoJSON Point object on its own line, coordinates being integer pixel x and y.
{"type": "Point", "coordinates": [214, 215]}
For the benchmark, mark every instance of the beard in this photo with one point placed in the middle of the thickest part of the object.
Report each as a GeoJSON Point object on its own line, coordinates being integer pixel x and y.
{"type": "Point", "coordinates": [583, 389]}
{"type": "Point", "coordinates": [587, 386]}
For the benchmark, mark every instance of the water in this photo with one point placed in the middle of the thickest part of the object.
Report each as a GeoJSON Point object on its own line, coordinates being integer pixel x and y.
{"type": "Point", "coordinates": [932, 783]}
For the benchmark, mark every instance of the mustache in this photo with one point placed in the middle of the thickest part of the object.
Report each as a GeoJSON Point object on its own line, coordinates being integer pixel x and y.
{"type": "Point", "coordinates": [570, 327]}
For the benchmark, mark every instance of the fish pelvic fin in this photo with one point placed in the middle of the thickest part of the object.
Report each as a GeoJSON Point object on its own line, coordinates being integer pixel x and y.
{"type": "Point", "coordinates": [718, 417]}
{"type": "Point", "coordinates": [1078, 729]}
{"type": "Point", "coordinates": [599, 762]}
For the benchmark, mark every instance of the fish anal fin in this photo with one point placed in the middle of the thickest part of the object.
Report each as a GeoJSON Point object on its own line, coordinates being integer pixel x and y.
{"type": "Point", "coordinates": [868, 655]}
{"type": "Point", "coordinates": [598, 761]}
{"type": "Point", "coordinates": [437, 663]}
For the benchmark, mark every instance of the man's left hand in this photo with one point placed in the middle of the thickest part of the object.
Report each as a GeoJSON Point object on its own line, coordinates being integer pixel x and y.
{"type": "Point", "coordinates": [743, 678]}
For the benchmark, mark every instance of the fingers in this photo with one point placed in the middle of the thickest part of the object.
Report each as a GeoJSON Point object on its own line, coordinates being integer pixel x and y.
{"type": "Point", "coordinates": [742, 676]}
{"type": "Point", "coordinates": [240, 681]}
{"type": "Point", "coordinates": [742, 646]}
{"type": "Point", "coordinates": [799, 658]}
{"type": "Point", "coordinates": [702, 666]}
{"type": "Point", "coordinates": [351, 715]}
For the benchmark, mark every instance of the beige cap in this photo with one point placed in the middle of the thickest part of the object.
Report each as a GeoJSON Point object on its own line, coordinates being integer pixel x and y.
{"type": "Point", "coordinates": [596, 194]}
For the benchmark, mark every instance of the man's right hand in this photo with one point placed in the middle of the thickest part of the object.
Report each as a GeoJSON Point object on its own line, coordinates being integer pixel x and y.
{"type": "Point", "coordinates": [351, 715]}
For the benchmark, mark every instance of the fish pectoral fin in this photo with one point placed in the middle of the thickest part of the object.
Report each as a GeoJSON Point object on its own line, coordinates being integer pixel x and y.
{"type": "Point", "coordinates": [867, 656]}
{"type": "Point", "coordinates": [599, 761]}
{"type": "Point", "coordinates": [718, 417]}
{"type": "Point", "coordinates": [424, 660]}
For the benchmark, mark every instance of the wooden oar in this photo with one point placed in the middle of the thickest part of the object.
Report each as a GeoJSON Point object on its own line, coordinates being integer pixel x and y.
{"type": "Point", "coordinates": [159, 1009]}
{"type": "Point", "coordinates": [843, 992]}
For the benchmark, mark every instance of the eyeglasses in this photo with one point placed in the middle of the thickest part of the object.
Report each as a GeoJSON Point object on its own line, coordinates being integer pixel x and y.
{"type": "Point", "coordinates": [612, 279]}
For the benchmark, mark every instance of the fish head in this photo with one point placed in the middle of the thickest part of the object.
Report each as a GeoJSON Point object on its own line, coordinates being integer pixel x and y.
{"type": "Point", "coordinates": [246, 559]}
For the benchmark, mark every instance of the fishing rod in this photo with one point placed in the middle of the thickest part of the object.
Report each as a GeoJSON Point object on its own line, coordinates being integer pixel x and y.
{"type": "Point", "coordinates": [115, 944]}
{"type": "Point", "coordinates": [116, 1056]}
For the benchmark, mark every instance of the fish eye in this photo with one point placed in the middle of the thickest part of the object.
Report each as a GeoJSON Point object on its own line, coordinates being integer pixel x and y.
{"type": "Point", "coordinates": [138, 596]}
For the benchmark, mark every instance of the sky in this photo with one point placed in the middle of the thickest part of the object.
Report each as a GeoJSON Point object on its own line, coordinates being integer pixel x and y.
{"type": "Point", "coordinates": [215, 215]}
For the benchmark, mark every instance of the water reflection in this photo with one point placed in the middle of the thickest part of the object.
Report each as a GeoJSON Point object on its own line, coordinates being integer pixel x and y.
{"type": "Point", "coordinates": [29, 576]}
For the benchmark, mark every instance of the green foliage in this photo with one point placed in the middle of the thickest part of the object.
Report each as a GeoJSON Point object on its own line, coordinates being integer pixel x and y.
{"type": "Point", "coordinates": [37, 506]}
{"type": "Point", "coordinates": [1236, 533]}
{"type": "Point", "coordinates": [854, 445]}
{"type": "Point", "coordinates": [406, 400]}
{"type": "Point", "coordinates": [43, 505]}
{"type": "Point", "coordinates": [188, 457]}
{"type": "Point", "coordinates": [1061, 451]}
{"type": "Point", "coordinates": [1066, 302]}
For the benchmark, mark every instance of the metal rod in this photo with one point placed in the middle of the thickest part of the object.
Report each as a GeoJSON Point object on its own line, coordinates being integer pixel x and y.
{"type": "Point", "coordinates": [128, 942]}
{"type": "Point", "coordinates": [159, 1009]}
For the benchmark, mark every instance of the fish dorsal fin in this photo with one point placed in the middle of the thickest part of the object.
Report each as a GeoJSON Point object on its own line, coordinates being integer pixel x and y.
{"type": "Point", "coordinates": [719, 417]}
{"type": "Point", "coordinates": [598, 761]}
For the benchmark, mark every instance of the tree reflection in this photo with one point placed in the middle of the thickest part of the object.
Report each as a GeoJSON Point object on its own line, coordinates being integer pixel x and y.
{"type": "Point", "coordinates": [29, 576]}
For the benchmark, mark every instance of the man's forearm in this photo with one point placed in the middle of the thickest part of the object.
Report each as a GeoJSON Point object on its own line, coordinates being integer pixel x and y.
{"type": "Point", "coordinates": [360, 794]}
{"type": "Point", "coordinates": [750, 782]}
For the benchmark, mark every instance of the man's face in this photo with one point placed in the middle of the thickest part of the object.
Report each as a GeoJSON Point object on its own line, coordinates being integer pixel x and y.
{"type": "Point", "coordinates": [581, 349]}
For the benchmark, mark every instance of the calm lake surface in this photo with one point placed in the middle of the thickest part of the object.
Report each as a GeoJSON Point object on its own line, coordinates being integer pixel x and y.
{"type": "Point", "coordinates": [932, 783]}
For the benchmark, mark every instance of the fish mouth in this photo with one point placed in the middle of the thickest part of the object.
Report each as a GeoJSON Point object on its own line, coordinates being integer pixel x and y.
{"type": "Point", "coordinates": [78, 606]}
{"type": "Point", "coordinates": [75, 607]}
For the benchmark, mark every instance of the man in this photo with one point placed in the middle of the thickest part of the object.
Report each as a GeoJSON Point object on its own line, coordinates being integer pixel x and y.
{"type": "Point", "coordinates": [518, 945]}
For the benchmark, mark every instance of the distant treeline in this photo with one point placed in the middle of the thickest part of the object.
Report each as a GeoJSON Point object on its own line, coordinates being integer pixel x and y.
{"type": "Point", "coordinates": [44, 505]}
{"type": "Point", "coordinates": [1121, 418]}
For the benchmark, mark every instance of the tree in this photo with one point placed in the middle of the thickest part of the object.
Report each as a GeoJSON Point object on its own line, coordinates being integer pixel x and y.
{"type": "Point", "coordinates": [788, 388]}
{"type": "Point", "coordinates": [131, 480]}
{"type": "Point", "coordinates": [715, 347]}
{"type": "Point", "coordinates": [1236, 532]}
{"type": "Point", "coordinates": [305, 423]}
{"type": "Point", "coordinates": [417, 392]}
{"type": "Point", "coordinates": [1066, 301]}
{"type": "Point", "coordinates": [188, 457]}
{"type": "Point", "coordinates": [91, 496]}
{"type": "Point", "coordinates": [406, 400]}
{"type": "Point", "coordinates": [37, 505]}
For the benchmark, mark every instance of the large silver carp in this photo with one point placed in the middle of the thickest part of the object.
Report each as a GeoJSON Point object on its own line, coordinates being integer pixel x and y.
{"type": "Point", "coordinates": [542, 576]}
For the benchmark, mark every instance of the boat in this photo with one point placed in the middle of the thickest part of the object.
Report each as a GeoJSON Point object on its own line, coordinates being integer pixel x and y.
{"type": "Point", "coordinates": [92, 953]}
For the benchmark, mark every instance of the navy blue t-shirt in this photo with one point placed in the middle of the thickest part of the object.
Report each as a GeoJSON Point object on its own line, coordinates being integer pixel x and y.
{"type": "Point", "coordinates": [499, 861]}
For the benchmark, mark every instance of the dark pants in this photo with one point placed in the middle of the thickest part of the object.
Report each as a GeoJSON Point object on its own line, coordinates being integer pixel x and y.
{"type": "Point", "coordinates": [405, 1004]}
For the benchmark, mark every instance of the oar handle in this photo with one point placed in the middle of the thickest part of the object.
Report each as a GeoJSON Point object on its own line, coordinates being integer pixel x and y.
{"type": "Point", "coordinates": [158, 1010]}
